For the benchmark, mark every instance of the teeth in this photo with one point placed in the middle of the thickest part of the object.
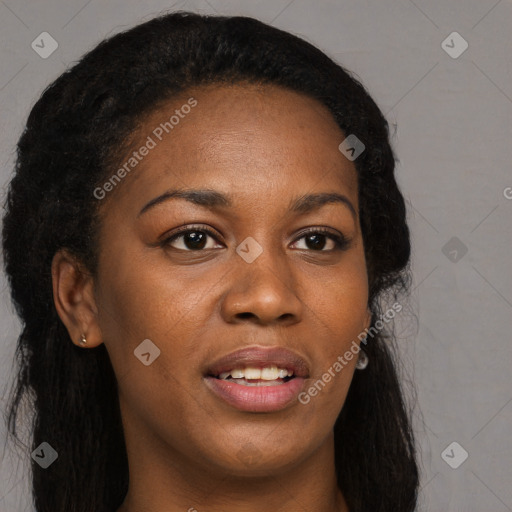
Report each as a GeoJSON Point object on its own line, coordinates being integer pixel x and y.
{"type": "Point", "coordinates": [271, 373]}
{"type": "Point", "coordinates": [251, 373]}
{"type": "Point", "coordinates": [259, 383]}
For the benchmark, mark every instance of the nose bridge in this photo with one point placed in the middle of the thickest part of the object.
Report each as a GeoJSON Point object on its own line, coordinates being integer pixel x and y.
{"type": "Point", "coordinates": [264, 286]}
{"type": "Point", "coordinates": [268, 269]}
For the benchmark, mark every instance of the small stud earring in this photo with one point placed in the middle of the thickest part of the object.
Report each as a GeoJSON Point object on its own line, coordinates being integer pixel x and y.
{"type": "Point", "coordinates": [83, 340]}
{"type": "Point", "coordinates": [362, 362]}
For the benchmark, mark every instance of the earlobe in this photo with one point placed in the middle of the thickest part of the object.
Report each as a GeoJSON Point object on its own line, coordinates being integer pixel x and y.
{"type": "Point", "coordinates": [74, 300]}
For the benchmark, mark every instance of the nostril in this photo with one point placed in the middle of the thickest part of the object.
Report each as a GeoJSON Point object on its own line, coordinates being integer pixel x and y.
{"type": "Point", "coordinates": [245, 315]}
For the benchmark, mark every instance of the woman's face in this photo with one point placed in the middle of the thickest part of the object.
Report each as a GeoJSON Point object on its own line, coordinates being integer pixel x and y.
{"type": "Point", "coordinates": [264, 277]}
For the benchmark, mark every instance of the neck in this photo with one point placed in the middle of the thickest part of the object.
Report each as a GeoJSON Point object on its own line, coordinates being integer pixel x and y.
{"type": "Point", "coordinates": [164, 479]}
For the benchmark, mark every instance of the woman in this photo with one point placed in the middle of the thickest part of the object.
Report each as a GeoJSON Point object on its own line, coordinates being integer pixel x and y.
{"type": "Point", "coordinates": [203, 223]}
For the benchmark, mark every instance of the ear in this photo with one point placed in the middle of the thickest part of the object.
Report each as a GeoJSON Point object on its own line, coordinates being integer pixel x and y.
{"type": "Point", "coordinates": [73, 296]}
{"type": "Point", "coordinates": [368, 320]}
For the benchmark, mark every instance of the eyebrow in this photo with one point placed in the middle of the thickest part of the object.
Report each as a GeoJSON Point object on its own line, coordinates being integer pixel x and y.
{"type": "Point", "coordinates": [212, 199]}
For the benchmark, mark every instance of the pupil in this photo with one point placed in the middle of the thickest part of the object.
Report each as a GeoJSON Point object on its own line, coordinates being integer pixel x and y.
{"type": "Point", "coordinates": [195, 240]}
{"type": "Point", "coordinates": [316, 241]}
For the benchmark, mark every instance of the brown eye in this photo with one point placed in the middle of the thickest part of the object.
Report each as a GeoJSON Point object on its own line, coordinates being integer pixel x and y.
{"type": "Point", "coordinates": [317, 239]}
{"type": "Point", "coordinates": [191, 239]}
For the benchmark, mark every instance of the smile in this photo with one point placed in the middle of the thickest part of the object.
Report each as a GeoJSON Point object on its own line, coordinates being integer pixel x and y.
{"type": "Point", "coordinates": [256, 395]}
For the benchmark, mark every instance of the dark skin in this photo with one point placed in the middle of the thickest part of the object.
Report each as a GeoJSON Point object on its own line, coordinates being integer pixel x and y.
{"type": "Point", "coordinates": [187, 449]}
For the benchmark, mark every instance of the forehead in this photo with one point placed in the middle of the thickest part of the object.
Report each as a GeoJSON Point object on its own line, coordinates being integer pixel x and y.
{"type": "Point", "coordinates": [250, 140]}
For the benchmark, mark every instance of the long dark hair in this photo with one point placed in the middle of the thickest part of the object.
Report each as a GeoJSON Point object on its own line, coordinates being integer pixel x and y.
{"type": "Point", "coordinates": [74, 136]}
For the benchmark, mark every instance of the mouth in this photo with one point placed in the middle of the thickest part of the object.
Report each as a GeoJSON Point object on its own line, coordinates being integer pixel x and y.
{"type": "Point", "coordinates": [258, 379]}
{"type": "Point", "coordinates": [269, 375]}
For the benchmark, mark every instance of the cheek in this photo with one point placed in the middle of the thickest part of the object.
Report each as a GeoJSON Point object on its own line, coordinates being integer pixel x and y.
{"type": "Point", "coordinates": [137, 302]}
{"type": "Point", "coordinates": [144, 298]}
{"type": "Point", "coordinates": [340, 302]}
{"type": "Point", "coordinates": [338, 308]}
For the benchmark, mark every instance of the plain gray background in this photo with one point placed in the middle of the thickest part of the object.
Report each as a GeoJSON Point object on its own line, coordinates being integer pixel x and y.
{"type": "Point", "coordinates": [451, 116]}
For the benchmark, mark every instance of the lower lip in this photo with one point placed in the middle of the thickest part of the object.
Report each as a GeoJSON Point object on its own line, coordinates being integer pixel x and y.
{"type": "Point", "coordinates": [256, 398]}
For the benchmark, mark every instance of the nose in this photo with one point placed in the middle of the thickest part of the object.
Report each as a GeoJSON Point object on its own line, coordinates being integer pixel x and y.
{"type": "Point", "coordinates": [263, 292]}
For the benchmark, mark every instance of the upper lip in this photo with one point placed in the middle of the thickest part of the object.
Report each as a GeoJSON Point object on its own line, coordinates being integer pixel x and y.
{"type": "Point", "coordinates": [260, 357]}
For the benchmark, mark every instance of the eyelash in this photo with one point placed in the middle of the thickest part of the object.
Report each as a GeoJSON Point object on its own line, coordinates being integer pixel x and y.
{"type": "Point", "coordinates": [341, 243]}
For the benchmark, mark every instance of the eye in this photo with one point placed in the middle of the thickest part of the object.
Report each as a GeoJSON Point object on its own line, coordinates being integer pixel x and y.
{"type": "Point", "coordinates": [195, 238]}
{"type": "Point", "coordinates": [316, 240]}
{"type": "Point", "coordinates": [191, 238]}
